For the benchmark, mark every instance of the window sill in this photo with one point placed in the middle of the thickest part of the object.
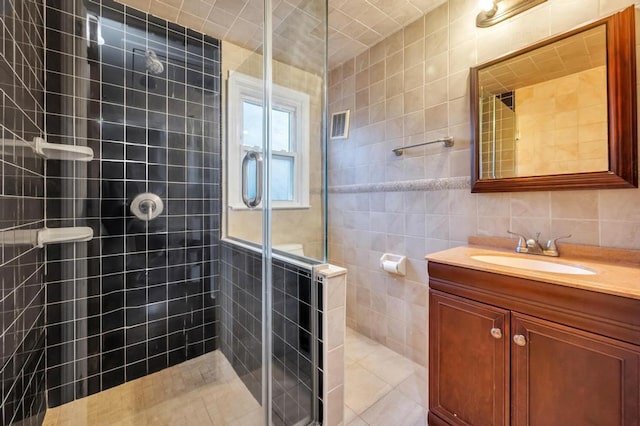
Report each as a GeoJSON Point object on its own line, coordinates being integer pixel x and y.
{"type": "Point", "coordinates": [287, 207]}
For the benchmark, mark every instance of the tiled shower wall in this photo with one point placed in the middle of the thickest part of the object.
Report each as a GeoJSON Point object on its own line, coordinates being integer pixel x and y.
{"type": "Point", "coordinates": [414, 87]}
{"type": "Point", "coordinates": [21, 207]}
{"type": "Point", "coordinates": [141, 296]}
{"type": "Point", "coordinates": [241, 329]}
{"type": "Point", "coordinates": [501, 140]}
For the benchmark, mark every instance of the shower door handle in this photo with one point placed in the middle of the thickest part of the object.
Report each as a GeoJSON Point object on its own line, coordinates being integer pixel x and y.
{"type": "Point", "coordinates": [252, 202]}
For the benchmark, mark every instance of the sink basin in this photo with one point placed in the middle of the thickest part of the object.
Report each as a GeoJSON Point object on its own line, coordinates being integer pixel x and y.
{"type": "Point", "coordinates": [533, 264]}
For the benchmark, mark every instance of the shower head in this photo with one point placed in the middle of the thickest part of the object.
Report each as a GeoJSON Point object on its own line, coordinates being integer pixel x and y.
{"type": "Point", "coordinates": [153, 64]}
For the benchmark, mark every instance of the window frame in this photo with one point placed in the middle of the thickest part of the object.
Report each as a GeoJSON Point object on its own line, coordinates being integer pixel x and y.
{"type": "Point", "coordinates": [241, 88]}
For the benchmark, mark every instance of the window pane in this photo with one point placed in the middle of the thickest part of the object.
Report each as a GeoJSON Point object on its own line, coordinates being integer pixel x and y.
{"type": "Point", "coordinates": [282, 178]}
{"type": "Point", "coordinates": [281, 130]}
{"type": "Point", "coordinates": [252, 127]}
{"type": "Point", "coordinates": [251, 124]}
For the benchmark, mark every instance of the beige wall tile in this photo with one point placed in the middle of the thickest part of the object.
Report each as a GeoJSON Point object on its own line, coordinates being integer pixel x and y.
{"type": "Point", "coordinates": [493, 226]}
{"type": "Point", "coordinates": [335, 360]}
{"type": "Point", "coordinates": [582, 231]}
{"type": "Point", "coordinates": [414, 32]}
{"type": "Point", "coordinates": [335, 328]}
{"type": "Point", "coordinates": [414, 76]}
{"type": "Point", "coordinates": [362, 61]}
{"type": "Point", "coordinates": [462, 56]}
{"type": "Point", "coordinates": [620, 234]}
{"type": "Point", "coordinates": [620, 205]}
{"type": "Point", "coordinates": [436, 117]}
{"type": "Point", "coordinates": [459, 85]}
{"type": "Point", "coordinates": [377, 112]}
{"type": "Point", "coordinates": [377, 53]}
{"type": "Point", "coordinates": [414, 100]}
{"type": "Point", "coordinates": [414, 54]}
{"type": "Point", "coordinates": [459, 163]}
{"type": "Point", "coordinates": [394, 43]}
{"type": "Point", "coordinates": [458, 8]}
{"type": "Point", "coordinates": [335, 414]}
{"type": "Point", "coordinates": [414, 123]}
{"type": "Point", "coordinates": [361, 117]}
{"type": "Point", "coordinates": [459, 110]}
{"type": "Point", "coordinates": [462, 28]}
{"type": "Point", "coordinates": [437, 18]}
{"type": "Point", "coordinates": [393, 127]}
{"type": "Point", "coordinates": [436, 165]}
{"type": "Point", "coordinates": [571, 13]}
{"type": "Point", "coordinates": [608, 7]}
{"type": "Point", "coordinates": [377, 92]}
{"type": "Point", "coordinates": [394, 63]}
{"type": "Point", "coordinates": [574, 205]}
{"type": "Point", "coordinates": [394, 107]}
{"type": "Point", "coordinates": [437, 67]}
{"type": "Point", "coordinates": [377, 72]}
{"type": "Point", "coordinates": [436, 92]}
{"type": "Point", "coordinates": [437, 42]}
{"type": "Point", "coordinates": [406, 223]}
{"type": "Point", "coordinates": [395, 85]}
{"type": "Point", "coordinates": [530, 204]}
{"type": "Point", "coordinates": [531, 226]}
{"type": "Point", "coordinates": [362, 79]}
{"type": "Point", "coordinates": [336, 293]}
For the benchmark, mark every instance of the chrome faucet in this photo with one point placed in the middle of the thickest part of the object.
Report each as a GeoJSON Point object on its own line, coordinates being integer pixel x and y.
{"type": "Point", "coordinates": [533, 246]}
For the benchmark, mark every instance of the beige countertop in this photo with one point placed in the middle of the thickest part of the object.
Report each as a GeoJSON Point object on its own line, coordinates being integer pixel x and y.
{"type": "Point", "coordinates": [618, 279]}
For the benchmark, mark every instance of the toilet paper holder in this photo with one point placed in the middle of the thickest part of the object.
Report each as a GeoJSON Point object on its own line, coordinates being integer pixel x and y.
{"type": "Point", "coordinates": [394, 263]}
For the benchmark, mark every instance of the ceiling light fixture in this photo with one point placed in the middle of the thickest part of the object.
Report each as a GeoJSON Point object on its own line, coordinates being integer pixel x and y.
{"type": "Point", "coordinates": [494, 11]}
{"type": "Point", "coordinates": [489, 7]}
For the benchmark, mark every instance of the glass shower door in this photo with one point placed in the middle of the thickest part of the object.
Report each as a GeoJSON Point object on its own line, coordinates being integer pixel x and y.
{"type": "Point", "coordinates": [274, 201]}
{"type": "Point", "coordinates": [297, 215]}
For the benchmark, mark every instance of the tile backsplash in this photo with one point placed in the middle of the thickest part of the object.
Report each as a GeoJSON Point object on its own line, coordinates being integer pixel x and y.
{"type": "Point", "coordinates": [414, 87]}
{"type": "Point", "coordinates": [21, 207]}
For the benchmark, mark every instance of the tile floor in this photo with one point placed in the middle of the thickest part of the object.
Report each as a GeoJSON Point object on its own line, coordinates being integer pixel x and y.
{"type": "Point", "coordinates": [382, 388]}
{"type": "Point", "coordinates": [203, 391]}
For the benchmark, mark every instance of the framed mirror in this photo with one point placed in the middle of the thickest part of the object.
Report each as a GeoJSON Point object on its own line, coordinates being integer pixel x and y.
{"type": "Point", "coordinates": [560, 114]}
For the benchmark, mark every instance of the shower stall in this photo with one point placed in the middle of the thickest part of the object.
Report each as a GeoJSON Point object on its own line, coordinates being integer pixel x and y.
{"type": "Point", "coordinates": [206, 197]}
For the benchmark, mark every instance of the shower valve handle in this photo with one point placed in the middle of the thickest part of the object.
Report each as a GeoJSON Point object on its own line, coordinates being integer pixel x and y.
{"type": "Point", "coordinates": [147, 206]}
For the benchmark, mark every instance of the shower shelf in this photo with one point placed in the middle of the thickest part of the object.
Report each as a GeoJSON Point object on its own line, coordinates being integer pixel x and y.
{"type": "Point", "coordinates": [51, 151]}
{"type": "Point", "coordinates": [56, 151]}
{"type": "Point", "coordinates": [41, 237]}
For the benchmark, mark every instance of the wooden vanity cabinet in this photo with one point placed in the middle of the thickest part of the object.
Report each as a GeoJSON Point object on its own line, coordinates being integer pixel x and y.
{"type": "Point", "coordinates": [470, 381]}
{"type": "Point", "coordinates": [506, 350]}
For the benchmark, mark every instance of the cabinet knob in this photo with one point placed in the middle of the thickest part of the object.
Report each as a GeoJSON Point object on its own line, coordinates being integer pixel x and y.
{"type": "Point", "coordinates": [519, 340]}
{"type": "Point", "coordinates": [496, 333]}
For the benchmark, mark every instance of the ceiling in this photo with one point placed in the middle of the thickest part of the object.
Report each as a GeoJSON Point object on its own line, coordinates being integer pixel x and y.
{"type": "Point", "coordinates": [580, 52]}
{"type": "Point", "coordinates": [354, 25]}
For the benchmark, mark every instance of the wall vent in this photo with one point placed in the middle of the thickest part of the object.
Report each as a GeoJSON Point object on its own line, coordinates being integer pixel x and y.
{"type": "Point", "coordinates": [340, 125]}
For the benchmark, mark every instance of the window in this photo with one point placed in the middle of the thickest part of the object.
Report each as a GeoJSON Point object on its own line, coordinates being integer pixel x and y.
{"type": "Point", "coordinates": [289, 144]}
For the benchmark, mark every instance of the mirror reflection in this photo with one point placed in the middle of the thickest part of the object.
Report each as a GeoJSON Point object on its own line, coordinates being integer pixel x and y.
{"type": "Point", "coordinates": [544, 112]}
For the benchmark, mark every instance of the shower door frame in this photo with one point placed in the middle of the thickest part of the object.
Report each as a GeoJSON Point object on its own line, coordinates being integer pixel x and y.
{"type": "Point", "coordinates": [267, 252]}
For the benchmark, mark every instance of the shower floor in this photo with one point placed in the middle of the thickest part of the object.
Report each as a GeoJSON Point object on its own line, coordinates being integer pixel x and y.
{"type": "Point", "coordinates": [382, 388]}
{"type": "Point", "coordinates": [202, 391]}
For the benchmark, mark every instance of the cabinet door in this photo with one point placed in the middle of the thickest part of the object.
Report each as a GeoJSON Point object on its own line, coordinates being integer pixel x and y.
{"type": "Point", "coordinates": [564, 376]}
{"type": "Point", "coordinates": [468, 361]}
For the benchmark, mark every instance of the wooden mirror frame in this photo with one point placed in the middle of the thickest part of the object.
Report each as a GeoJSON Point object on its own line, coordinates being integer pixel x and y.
{"type": "Point", "coordinates": [621, 110]}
